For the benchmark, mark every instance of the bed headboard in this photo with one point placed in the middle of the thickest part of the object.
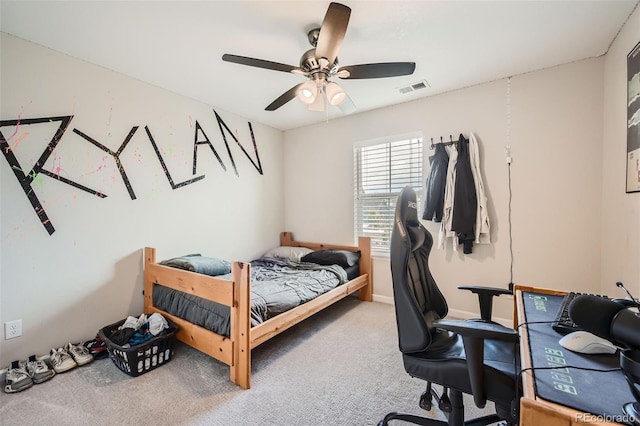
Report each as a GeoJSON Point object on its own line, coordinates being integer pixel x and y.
{"type": "Point", "coordinates": [286, 239]}
{"type": "Point", "coordinates": [364, 245]}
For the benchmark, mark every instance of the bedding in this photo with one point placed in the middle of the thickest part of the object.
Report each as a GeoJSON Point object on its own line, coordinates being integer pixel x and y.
{"type": "Point", "coordinates": [352, 272]}
{"type": "Point", "coordinates": [277, 285]}
{"type": "Point", "coordinates": [200, 264]}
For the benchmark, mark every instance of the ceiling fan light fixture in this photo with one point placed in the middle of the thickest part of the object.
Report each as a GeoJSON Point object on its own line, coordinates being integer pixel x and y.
{"type": "Point", "coordinates": [307, 92]}
{"type": "Point", "coordinates": [318, 104]}
{"type": "Point", "coordinates": [335, 93]}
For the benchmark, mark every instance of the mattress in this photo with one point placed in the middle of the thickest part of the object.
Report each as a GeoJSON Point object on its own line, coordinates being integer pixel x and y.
{"type": "Point", "coordinates": [277, 285]}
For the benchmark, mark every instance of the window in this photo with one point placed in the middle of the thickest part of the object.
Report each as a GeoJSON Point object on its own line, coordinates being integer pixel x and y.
{"type": "Point", "coordinates": [381, 170]}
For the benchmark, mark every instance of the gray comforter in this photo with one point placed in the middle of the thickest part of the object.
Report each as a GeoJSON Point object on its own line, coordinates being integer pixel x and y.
{"type": "Point", "coordinates": [276, 286]}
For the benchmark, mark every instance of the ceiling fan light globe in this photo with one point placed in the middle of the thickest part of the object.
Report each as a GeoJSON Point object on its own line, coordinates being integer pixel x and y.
{"type": "Point", "coordinates": [307, 92]}
{"type": "Point", "coordinates": [338, 99]}
{"type": "Point", "coordinates": [335, 94]}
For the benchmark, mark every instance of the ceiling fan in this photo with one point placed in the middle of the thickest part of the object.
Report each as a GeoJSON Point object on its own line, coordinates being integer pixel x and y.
{"type": "Point", "coordinates": [320, 64]}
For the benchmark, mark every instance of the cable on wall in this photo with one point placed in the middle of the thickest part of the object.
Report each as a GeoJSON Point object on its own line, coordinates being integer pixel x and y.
{"type": "Point", "coordinates": [508, 153]}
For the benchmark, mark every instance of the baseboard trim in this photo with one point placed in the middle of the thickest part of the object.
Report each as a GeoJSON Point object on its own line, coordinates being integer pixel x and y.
{"type": "Point", "coordinates": [454, 313]}
{"type": "Point", "coordinates": [383, 299]}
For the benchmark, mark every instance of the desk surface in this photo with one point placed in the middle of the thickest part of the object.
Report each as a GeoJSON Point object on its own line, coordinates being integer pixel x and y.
{"type": "Point", "coordinates": [535, 410]}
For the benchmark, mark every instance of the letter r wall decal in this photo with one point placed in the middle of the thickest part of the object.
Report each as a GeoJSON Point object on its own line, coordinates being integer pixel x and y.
{"type": "Point", "coordinates": [25, 180]}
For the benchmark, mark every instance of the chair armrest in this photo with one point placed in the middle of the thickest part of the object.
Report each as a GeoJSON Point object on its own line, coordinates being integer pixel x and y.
{"type": "Point", "coordinates": [485, 298]}
{"type": "Point", "coordinates": [479, 330]}
{"type": "Point", "coordinates": [473, 337]}
{"type": "Point", "coordinates": [494, 291]}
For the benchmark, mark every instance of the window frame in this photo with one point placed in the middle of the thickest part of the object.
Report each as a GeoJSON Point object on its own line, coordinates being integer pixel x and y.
{"type": "Point", "coordinates": [359, 198]}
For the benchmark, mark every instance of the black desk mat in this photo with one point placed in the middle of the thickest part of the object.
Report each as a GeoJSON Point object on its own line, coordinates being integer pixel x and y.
{"type": "Point", "coordinates": [599, 393]}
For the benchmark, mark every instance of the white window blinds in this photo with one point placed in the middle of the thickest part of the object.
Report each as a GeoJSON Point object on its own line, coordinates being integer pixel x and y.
{"type": "Point", "coordinates": [380, 172]}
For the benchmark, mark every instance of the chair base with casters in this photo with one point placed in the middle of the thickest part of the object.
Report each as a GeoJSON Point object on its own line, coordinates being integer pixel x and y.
{"type": "Point", "coordinates": [425, 421]}
{"type": "Point", "coordinates": [452, 407]}
{"type": "Point", "coordinates": [455, 417]}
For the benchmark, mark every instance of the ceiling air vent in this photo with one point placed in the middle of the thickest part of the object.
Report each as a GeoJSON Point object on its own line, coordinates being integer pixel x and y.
{"type": "Point", "coordinates": [422, 84]}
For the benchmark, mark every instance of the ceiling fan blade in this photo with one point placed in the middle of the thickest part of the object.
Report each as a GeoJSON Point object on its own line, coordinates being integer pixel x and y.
{"type": "Point", "coordinates": [347, 106]}
{"type": "Point", "coordinates": [284, 98]}
{"type": "Point", "coordinates": [259, 63]}
{"type": "Point", "coordinates": [332, 31]}
{"type": "Point", "coordinates": [381, 70]}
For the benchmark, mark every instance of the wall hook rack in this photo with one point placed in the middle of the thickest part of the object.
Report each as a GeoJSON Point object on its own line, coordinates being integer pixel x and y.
{"type": "Point", "coordinates": [442, 142]}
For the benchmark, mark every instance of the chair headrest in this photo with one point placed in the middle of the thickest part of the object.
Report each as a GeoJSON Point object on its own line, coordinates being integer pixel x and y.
{"type": "Point", "coordinates": [408, 210]}
{"type": "Point", "coordinates": [407, 216]}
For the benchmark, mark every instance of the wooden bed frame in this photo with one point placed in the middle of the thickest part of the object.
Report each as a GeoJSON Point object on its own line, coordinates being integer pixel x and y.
{"type": "Point", "coordinates": [235, 350]}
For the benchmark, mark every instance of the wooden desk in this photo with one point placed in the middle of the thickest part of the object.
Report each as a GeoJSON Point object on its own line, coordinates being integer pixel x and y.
{"type": "Point", "coordinates": [535, 411]}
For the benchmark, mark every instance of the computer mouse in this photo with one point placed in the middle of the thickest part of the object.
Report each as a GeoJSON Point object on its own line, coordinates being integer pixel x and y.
{"type": "Point", "coordinates": [587, 343]}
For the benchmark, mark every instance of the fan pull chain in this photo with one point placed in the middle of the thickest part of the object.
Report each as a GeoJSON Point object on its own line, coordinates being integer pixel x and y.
{"type": "Point", "coordinates": [326, 103]}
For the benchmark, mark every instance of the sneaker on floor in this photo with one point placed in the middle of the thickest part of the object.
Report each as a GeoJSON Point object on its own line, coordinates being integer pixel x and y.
{"type": "Point", "coordinates": [79, 353]}
{"type": "Point", "coordinates": [61, 360]}
{"type": "Point", "coordinates": [17, 378]}
{"type": "Point", "coordinates": [38, 370]}
{"type": "Point", "coordinates": [97, 348]}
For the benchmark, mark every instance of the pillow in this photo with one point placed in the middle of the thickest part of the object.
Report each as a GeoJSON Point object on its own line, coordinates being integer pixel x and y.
{"type": "Point", "coordinates": [344, 258]}
{"type": "Point", "coordinates": [288, 252]}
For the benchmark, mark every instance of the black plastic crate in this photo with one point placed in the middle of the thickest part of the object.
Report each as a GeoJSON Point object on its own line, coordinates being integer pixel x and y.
{"type": "Point", "coordinates": [139, 359]}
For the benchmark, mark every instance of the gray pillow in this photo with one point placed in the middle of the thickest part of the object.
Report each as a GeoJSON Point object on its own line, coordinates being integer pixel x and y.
{"type": "Point", "coordinates": [287, 252]}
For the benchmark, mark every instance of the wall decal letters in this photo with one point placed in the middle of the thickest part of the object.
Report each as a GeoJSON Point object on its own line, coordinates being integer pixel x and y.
{"type": "Point", "coordinates": [222, 124]}
{"type": "Point", "coordinates": [25, 180]}
{"type": "Point", "coordinates": [115, 155]}
{"type": "Point", "coordinates": [164, 166]}
{"type": "Point", "coordinates": [206, 141]}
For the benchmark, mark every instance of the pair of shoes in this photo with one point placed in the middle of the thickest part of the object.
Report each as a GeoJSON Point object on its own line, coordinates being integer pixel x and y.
{"type": "Point", "coordinates": [79, 353]}
{"type": "Point", "coordinates": [17, 379]}
{"type": "Point", "coordinates": [37, 369]}
{"type": "Point", "coordinates": [71, 356]}
{"type": "Point", "coordinates": [61, 360]}
{"type": "Point", "coordinates": [97, 347]}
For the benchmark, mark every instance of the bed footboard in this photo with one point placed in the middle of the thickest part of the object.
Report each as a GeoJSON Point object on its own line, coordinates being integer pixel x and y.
{"type": "Point", "coordinates": [235, 293]}
{"type": "Point", "coordinates": [240, 373]}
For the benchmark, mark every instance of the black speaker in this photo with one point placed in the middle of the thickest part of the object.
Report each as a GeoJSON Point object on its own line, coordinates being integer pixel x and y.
{"type": "Point", "coordinates": [630, 365]}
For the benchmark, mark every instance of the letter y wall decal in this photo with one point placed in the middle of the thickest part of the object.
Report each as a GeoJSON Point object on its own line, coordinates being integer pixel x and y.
{"type": "Point", "coordinates": [14, 132]}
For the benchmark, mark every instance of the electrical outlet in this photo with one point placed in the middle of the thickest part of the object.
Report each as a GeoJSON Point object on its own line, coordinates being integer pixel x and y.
{"type": "Point", "coordinates": [12, 329]}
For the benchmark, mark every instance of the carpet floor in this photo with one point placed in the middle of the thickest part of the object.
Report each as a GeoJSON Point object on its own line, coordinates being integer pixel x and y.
{"type": "Point", "coordinates": [340, 367]}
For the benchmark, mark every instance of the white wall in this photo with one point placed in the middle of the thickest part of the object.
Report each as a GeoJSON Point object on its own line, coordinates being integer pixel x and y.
{"type": "Point", "coordinates": [88, 273]}
{"type": "Point", "coordinates": [555, 135]}
{"type": "Point", "coordinates": [620, 211]}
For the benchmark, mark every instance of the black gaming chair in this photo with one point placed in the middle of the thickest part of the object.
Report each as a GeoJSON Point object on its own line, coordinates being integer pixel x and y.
{"type": "Point", "coordinates": [473, 357]}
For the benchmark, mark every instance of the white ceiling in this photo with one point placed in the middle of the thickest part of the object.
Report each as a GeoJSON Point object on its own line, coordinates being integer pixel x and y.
{"type": "Point", "coordinates": [178, 45]}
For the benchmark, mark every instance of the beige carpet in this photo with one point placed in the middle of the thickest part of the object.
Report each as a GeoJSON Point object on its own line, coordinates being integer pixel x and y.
{"type": "Point", "coordinates": [340, 367]}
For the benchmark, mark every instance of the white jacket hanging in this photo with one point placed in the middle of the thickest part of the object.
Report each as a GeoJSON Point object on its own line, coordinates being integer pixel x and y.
{"type": "Point", "coordinates": [482, 229]}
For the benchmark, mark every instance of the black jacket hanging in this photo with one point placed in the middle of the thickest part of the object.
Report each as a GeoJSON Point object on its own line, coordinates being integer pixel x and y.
{"type": "Point", "coordinates": [465, 202]}
{"type": "Point", "coordinates": [436, 182]}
